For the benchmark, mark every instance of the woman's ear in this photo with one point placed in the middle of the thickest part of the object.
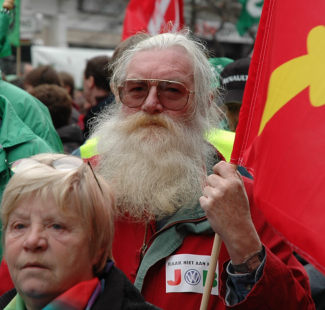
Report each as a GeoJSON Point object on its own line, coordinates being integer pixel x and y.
{"type": "Point", "coordinates": [97, 257]}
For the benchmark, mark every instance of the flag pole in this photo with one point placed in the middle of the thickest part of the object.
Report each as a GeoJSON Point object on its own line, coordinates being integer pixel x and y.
{"type": "Point", "coordinates": [211, 272]}
{"type": "Point", "coordinates": [18, 60]}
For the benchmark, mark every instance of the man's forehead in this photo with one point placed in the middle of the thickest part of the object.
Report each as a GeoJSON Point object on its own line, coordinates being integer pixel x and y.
{"type": "Point", "coordinates": [170, 64]}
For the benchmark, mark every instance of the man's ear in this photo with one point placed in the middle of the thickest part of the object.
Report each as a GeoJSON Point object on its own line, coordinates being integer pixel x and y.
{"type": "Point", "coordinates": [114, 89]}
{"type": "Point", "coordinates": [68, 88]}
{"type": "Point", "coordinates": [90, 82]}
{"type": "Point", "coordinates": [211, 97]}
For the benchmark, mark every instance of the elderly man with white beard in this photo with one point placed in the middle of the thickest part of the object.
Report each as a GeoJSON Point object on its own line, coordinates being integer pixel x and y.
{"type": "Point", "coordinates": [175, 190]}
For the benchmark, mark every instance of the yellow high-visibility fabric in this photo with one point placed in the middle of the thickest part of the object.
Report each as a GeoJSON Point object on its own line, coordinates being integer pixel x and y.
{"type": "Point", "coordinates": [223, 140]}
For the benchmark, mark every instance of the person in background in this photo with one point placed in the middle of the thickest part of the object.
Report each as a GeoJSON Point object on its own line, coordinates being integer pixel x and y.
{"type": "Point", "coordinates": [58, 221]}
{"type": "Point", "coordinates": [41, 75]}
{"type": "Point", "coordinates": [68, 83]}
{"type": "Point", "coordinates": [96, 89]}
{"type": "Point", "coordinates": [59, 104]}
{"type": "Point", "coordinates": [233, 79]}
{"type": "Point", "coordinates": [3, 76]}
{"type": "Point", "coordinates": [221, 138]}
{"type": "Point", "coordinates": [19, 82]}
{"type": "Point", "coordinates": [26, 68]}
{"type": "Point", "coordinates": [125, 45]}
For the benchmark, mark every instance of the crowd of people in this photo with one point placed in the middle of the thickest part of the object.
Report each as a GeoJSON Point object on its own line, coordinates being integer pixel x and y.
{"type": "Point", "coordinates": [129, 219]}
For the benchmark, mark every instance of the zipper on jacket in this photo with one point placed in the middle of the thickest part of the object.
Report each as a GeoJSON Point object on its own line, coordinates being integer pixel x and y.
{"type": "Point", "coordinates": [145, 245]}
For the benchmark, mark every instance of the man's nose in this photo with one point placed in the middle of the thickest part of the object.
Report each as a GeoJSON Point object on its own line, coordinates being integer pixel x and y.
{"type": "Point", "coordinates": [152, 104]}
{"type": "Point", "coordinates": [36, 239]}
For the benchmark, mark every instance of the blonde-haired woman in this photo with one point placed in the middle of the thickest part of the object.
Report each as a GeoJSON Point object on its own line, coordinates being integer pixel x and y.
{"type": "Point", "coordinates": [58, 223]}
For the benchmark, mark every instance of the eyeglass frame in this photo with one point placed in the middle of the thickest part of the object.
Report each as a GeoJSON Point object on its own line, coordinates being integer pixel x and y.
{"type": "Point", "coordinates": [158, 81]}
{"type": "Point", "coordinates": [52, 165]}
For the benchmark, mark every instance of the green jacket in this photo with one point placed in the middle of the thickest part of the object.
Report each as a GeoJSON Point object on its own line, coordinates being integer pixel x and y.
{"type": "Point", "coordinates": [17, 141]}
{"type": "Point", "coordinates": [33, 113]}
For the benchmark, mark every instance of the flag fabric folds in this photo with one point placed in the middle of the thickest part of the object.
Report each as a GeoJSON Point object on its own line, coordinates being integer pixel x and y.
{"type": "Point", "coordinates": [152, 16]}
{"type": "Point", "coordinates": [281, 132]}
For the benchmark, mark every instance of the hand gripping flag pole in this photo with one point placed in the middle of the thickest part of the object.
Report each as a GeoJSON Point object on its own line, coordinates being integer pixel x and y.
{"type": "Point", "coordinates": [212, 268]}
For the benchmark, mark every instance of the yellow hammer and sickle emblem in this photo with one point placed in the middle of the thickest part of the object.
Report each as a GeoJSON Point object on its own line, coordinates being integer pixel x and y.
{"type": "Point", "coordinates": [288, 80]}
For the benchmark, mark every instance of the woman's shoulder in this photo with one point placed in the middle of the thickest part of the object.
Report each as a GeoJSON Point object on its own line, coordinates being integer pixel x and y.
{"type": "Point", "coordinates": [6, 298]}
{"type": "Point", "coordinates": [120, 294]}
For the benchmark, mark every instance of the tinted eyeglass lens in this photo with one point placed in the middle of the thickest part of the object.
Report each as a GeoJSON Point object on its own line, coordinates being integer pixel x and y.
{"type": "Point", "coordinates": [172, 95]}
{"type": "Point", "coordinates": [133, 93]}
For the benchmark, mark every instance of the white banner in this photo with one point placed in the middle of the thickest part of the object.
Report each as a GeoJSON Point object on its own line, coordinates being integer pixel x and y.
{"type": "Point", "coordinates": [229, 33]}
{"type": "Point", "coordinates": [188, 272]}
{"type": "Point", "coordinates": [71, 60]}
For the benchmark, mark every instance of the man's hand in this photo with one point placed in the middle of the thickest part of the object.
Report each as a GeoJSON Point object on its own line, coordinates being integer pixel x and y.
{"type": "Point", "coordinates": [226, 206]}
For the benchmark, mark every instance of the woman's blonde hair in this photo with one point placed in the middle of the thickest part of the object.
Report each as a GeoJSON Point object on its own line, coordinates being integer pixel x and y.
{"type": "Point", "coordinates": [74, 189]}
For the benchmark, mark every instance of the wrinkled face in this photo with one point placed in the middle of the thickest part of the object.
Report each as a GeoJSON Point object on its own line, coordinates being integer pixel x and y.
{"type": "Point", "coordinates": [171, 64]}
{"type": "Point", "coordinates": [232, 112]}
{"type": "Point", "coordinates": [47, 251]}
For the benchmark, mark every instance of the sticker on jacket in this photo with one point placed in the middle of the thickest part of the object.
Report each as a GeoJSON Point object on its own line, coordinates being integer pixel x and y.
{"type": "Point", "coordinates": [188, 273]}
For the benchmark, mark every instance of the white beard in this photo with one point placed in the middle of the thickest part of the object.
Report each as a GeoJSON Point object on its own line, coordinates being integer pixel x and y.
{"type": "Point", "coordinates": [157, 164]}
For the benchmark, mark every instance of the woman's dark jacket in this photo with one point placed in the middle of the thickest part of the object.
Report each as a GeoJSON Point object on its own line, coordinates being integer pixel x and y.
{"type": "Point", "coordinates": [119, 294]}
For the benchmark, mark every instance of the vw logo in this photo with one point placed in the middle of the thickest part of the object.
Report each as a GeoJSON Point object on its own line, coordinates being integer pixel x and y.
{"type": "Point", "coordinates": [192, 277]}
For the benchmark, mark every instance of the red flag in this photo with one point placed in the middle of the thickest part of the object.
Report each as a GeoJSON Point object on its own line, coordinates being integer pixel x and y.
{"type": "Point", "coordinates": [281, 131]}
{"type": "Point", "coordinates": [152, 16]}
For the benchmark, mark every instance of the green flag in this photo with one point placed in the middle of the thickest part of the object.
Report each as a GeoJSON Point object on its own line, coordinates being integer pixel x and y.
{"type": "Point", "coordinates": [5, 48]}
{"type": "Point", "coordinates": [250, 14]}
{"type": "Point", "coordinates": [13, 34]}
{"type": "Point", "coordinates": [217, 65]}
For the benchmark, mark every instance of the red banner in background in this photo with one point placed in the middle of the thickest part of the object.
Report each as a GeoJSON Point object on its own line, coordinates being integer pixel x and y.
{"type": "Point", "coordinates": [281, 132]}
{"type": "Point", "coordinates": [152, 16]}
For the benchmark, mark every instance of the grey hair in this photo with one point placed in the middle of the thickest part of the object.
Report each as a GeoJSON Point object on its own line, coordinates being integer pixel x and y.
{"type": "Point", "coordinates": [207, 97]}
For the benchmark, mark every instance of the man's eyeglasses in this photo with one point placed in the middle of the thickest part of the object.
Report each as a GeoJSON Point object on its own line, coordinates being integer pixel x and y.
{"type": "Point", "coordinates": [65, 163]}
{"type": "Point", "coordinates": [172, 95]}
